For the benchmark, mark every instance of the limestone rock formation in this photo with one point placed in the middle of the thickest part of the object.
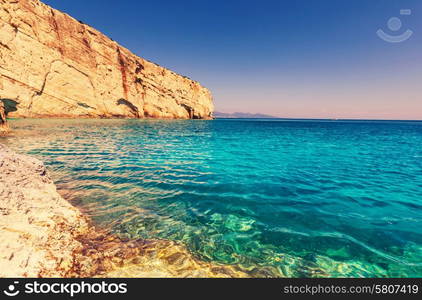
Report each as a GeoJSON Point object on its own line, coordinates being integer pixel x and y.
{"type": "Point", "coordinates": [52, 65]}
{"type": "Point", "coordinates": [37, 226]}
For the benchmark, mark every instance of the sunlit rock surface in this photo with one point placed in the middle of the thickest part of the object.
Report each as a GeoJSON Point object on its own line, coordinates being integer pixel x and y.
{"type": "Point", "coordinates": [37, 226]}
{"type": "Point", "coordinates": [52, 65]}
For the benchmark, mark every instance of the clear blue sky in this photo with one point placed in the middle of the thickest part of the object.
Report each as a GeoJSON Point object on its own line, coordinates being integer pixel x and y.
{"type": "Point", "coordinates": [303, 58]}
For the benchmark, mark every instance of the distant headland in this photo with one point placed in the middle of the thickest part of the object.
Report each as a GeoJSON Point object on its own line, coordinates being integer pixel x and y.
{"type": "Point", "coordinates": [241, 115]}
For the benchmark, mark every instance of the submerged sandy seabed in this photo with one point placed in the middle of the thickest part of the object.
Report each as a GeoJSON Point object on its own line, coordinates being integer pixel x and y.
{"type": "Point", "coordinates": [43, 235]}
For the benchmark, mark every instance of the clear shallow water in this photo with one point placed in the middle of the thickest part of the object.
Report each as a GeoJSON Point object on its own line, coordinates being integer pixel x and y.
{"type": "Point", "coordinates": [297, 198]}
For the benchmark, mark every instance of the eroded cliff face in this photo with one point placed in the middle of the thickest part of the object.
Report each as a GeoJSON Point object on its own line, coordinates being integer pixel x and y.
{"type": "Point", "coordinates": [51, 65]}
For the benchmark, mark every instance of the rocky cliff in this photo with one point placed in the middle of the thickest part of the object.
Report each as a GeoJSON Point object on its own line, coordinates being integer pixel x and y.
{"type": "Point", "coordinates": [52, 65]}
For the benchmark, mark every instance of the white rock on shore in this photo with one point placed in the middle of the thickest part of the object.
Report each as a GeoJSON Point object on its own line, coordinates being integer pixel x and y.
{"type": "Point", "coordinates": [37, 226]}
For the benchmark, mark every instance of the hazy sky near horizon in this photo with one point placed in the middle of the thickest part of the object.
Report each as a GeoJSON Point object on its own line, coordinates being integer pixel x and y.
{"type": "Point", "coordinates": [299, 59]}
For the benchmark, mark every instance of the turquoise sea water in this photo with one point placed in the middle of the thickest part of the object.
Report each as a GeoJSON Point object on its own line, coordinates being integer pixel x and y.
{"type": "Point", "coordinates": [296, 198]}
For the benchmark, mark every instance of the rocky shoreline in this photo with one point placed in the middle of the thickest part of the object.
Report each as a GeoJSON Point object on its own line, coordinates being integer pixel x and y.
{"type": "Point", "coordinates": [43, 235]}
{"type": "Point", "coordinates": [38, 228]}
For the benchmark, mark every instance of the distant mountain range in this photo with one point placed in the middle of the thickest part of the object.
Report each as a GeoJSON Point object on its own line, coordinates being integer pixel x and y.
{"type": "Point", "coordinates": [241, 115]}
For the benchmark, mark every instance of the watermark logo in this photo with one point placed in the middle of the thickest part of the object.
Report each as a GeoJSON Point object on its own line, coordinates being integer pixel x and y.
{"type": "Point", "coordinates": [394, 24]}
{"type": "Point", "coordinates": [65, 288]}
{"type": "Point", "coordinates": [12, 291]}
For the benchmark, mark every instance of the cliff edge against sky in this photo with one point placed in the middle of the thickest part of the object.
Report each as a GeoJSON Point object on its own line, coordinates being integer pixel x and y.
{"type": "Point", "coordinates": [52, 65]}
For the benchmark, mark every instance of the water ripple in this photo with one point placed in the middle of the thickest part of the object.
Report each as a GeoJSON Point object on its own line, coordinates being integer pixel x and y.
{"type": "Point", "coordinates": [306, 198]}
